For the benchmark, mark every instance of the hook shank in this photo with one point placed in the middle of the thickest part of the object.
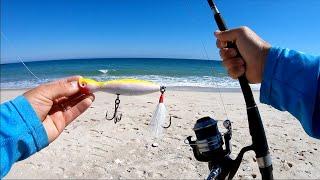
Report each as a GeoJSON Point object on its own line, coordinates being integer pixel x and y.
{"type": "Point", "coordinates": [117, 117]}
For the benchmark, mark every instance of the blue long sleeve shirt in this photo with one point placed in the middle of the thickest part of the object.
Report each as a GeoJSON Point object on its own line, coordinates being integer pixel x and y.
{"type": "Point", "coordinates": [21, 134]}
{"type": "Point", "coordinates": [291, 83]}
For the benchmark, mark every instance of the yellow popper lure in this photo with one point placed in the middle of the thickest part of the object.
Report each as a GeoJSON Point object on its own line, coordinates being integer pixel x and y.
{"type": "Point", "coordinates": [129, 87]}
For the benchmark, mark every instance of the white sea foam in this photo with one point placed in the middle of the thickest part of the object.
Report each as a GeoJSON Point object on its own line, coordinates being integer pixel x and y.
{"type": "Point", "coordinates": [23, 84]}
{"type": "Point", "coordinates": [104, 71]}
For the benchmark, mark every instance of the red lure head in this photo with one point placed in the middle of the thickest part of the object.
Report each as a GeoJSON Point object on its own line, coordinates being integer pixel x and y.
{"type": "Point", "coordinates": [161, 98]}
{"type": "Point", "coordinates": [83, 86]}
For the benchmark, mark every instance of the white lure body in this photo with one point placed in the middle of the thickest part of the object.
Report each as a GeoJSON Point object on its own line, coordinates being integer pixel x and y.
{"type": "Point", "coordinates": [127, 87]}
{"type": "Point", "coordinates": [130, 87]}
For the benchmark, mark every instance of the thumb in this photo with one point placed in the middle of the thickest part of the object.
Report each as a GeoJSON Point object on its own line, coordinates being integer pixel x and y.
{"type": "Point", "coordinates": [62, 88]}
{"type": "Point", "coordinates": [228, 35]}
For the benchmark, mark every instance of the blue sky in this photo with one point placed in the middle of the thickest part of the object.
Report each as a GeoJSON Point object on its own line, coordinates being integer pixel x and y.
{"type": "Point", "coordinates": [62, 29]}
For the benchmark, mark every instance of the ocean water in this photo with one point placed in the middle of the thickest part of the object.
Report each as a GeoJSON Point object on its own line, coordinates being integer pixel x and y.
{"type": "Point", "coordinates": [168, 72]}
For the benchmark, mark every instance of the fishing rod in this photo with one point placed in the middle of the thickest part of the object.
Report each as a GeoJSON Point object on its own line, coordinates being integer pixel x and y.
{"type": "Point", "coordinates": [208, 146]}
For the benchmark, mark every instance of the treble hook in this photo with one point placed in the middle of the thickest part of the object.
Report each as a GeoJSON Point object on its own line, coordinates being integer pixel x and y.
{"type": "Point", "coordinates": [117, 117]}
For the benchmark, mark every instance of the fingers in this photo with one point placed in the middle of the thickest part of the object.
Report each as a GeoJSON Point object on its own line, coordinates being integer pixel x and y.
{"type": "Point", "coordinates": [63, 113]}
{"type": "Point", "coordinates": [77, 107]}
{"type": "Point", "coordinates": [226, 53]}
{"type": "Point", "coordinates": [64, 102]}
{"type": "Point", "coordinates": [230, 35]}
{"type": "Point", "coordinates": [236, 72]}
{"type": "Point", "coordinates": [221, 44]}
{"type": "Point", "coordinates": [65, 87]}
{"type": "Point", "coordinates": [235, 67]}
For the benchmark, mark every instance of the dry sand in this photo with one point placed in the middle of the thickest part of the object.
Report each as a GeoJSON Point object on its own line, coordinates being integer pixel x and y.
{"type": "Point", "coordinates": [92, 147]}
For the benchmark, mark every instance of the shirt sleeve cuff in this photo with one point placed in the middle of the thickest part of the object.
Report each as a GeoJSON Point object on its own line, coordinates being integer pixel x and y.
{"type": "Point", "coordinates": [270, 66]}
{"type": "Point", "coordinates": [32, 121]}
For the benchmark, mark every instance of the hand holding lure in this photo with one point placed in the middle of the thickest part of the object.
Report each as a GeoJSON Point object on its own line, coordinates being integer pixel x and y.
{"type": "Point", "coordinates": [128, 87]}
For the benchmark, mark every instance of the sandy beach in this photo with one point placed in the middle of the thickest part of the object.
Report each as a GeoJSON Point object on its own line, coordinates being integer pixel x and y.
{"type": "Point", "coordinates": [92, 147]}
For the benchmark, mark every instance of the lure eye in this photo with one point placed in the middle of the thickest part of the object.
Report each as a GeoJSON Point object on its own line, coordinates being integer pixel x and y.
{"type": "Point", "coordinates": [83, 84]}
{"type": "Point", "coordinates": [84, 88]}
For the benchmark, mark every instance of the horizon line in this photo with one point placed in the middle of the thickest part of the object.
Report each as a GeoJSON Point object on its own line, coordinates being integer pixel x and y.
{"type": "Point", "coordinates": [68, 59]}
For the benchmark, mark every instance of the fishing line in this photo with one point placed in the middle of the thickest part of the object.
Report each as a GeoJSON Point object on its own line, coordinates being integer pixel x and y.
{"type": "Point", "coordinates": [207, 58]}
{"type": "Point", "coordinates": [19, 58]}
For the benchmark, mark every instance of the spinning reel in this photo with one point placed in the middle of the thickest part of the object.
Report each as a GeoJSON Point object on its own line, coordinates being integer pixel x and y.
{"type": "Point", "coordinates": [209, 148]}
